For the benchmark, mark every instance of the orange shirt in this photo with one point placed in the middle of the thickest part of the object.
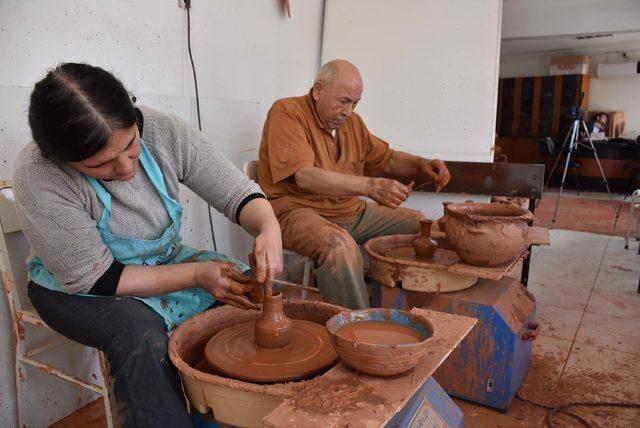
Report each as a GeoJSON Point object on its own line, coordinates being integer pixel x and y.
{"type": "Point", "coordinates": [294, 137]}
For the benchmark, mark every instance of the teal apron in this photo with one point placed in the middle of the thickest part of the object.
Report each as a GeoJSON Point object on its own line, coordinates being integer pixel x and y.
{"type": "Point", "coordinates": [174, 307]}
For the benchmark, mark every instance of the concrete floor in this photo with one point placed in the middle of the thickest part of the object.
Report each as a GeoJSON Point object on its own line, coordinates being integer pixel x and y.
{"type": "Point", "coordinates": [588, 195]}
{"type": "Point", "coordinates": [589, 346]}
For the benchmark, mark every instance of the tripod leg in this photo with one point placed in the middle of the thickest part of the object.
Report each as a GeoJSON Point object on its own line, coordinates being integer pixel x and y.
{"type": "Point", "coordinates": [604, 177]}
{"type": "Point", "coordinates": [574, 134]}
{"type": "Point", "coordinates": [575, 177]}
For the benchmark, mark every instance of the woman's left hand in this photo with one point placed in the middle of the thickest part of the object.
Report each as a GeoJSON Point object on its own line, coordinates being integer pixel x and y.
{"type": "Point", "coordinates": [267, 255]}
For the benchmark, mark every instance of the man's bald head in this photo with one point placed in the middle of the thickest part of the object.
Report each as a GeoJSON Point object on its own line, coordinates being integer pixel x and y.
{"type": "Point", "coordinates": [338, 69]}
{"type": "Point", "coordinates": [336, 91]}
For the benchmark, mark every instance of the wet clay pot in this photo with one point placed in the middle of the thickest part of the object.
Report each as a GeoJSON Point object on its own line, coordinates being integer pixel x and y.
{"type": "Point", "coordinates": [424, 246]}
{"type": "Point", "coordinates": [378, 358]}
{"type": "Point", "coordinates": [443, 220]}
{"type": "Point", "coordinates": [484, 234]}
{"type": "Point", "coordinates": [273, 328]}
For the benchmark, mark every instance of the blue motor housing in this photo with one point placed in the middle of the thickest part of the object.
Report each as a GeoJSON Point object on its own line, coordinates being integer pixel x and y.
{"type": "Point", "coordinates": [491, 362]}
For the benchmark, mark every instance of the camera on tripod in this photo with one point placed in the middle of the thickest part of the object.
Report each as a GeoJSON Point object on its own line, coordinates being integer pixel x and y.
{"type": "Point", "coordinates": [569, 146]}
{"type": "Point", "coordinates": [576, 111]}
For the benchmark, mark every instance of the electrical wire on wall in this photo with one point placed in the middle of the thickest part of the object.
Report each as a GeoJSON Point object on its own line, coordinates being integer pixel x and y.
{"type": "Point", "coordinates": [187, 6]}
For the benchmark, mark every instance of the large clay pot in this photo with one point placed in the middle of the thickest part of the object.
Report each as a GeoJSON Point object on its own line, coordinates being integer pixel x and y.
{"type": "Point", "coordinates": [485, 234]}
{"type": "Point", "coordinates": [443, 220]}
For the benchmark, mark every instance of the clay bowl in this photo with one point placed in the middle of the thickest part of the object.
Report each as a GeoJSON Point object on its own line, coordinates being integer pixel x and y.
{"type": "Point", "coordinates": [484, 234]}
{"type": "Point", "coordinates": [380, 359]}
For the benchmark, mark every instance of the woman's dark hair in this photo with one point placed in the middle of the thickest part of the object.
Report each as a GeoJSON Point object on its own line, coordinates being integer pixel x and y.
{"type": "Point", "coordinates": [75, 109]}
{"type": "Point", "coordinates": [600, 113]}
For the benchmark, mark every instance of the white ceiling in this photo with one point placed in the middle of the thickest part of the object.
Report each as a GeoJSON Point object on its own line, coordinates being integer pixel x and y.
{"type": "Point", "coordinates": [550, 27]}
{"type": "Point", "coordinates": [618, 42]}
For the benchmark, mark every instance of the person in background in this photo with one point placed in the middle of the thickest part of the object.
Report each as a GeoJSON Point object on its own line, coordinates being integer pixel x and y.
{"type": "Point", "coordinates": [597, 126]}
{"type": "Point", "coordinates": [317, 158]}
{"type": "Point", "coordinates": [97, 196]}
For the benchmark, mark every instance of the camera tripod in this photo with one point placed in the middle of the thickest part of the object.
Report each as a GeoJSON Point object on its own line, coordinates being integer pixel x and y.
{"type": "Point", "coordinates": [572, 140]}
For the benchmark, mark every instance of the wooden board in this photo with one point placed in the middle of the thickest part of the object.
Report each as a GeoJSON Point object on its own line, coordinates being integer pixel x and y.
{"type": "Point", "coordinates": [344, 397]}
{"type": "Point", "coordinates": [90, 416]}
{"type": "Point", "coordinates": [493, 273]}
{"type": "Point", "coordinates": [493, 179]}
{"type": "Point", "coordinates": [539, 235]}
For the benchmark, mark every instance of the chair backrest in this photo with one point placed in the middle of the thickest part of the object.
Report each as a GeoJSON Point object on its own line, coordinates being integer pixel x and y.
{"type": "Point", "coordinates": [14, 251]}
{"type": "Point", "coordinates": [250, 169]}
{"type": "Point", "coordinates": [551, 146]}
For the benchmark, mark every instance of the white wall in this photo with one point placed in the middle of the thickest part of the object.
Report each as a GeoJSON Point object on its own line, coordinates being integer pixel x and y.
{"type": "Point", "coordinates": [430, 72]}
{"type": "Point", "coordinates": [604, 94]}
{"type": "Point", "coordinates": [246, 53]}
{"type": "Point", "coordinates": [618, 94]}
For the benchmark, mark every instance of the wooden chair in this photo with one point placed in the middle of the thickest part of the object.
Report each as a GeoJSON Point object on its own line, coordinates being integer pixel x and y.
{"type": "Point", "coordinates": [250, 169]}
{"type": "Point", "coordinates": [14, 250]}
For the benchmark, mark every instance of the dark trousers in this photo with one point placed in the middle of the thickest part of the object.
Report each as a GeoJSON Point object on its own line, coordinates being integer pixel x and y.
{"type": "Point", "coordinates": [146, 384]}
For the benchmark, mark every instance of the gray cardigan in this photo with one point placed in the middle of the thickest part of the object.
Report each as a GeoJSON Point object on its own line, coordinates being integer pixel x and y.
{"type": "Point", "coordinates": [59, 210]}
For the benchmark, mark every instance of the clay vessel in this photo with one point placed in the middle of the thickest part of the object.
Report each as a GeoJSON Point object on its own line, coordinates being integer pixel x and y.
{"type": "Point", "coordinates": [273, 328]}
{"type": "Point", "coordinates": [443, 220]}
{"type": "Point", "coordinates": [375, 358]}
{"type": "Point", "coordinates": [484, 234]}
{"type": "Point", "coordinates": [424, 246]}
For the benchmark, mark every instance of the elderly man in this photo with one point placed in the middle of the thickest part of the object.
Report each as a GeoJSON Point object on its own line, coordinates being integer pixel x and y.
{"type": "Point", "coordinates": [316, 159]}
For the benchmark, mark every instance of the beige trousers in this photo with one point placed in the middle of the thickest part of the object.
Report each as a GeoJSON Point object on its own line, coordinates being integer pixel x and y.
{"type": "Point", "coordinates": [335, 249]}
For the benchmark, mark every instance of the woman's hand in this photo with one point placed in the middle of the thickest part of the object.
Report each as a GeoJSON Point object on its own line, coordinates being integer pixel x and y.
{"type": "Point", "coordinates": [224, 283]}
{"type": "Point", "coordinates": [258, 219]}
{"type": "Point", "coordinates": [266, 257]}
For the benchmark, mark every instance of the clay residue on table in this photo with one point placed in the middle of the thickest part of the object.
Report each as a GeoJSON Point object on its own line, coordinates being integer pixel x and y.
{"type": "Point", "coordinates": [392, 393]}
{"type": "Point", "coordinates": [331, 396]}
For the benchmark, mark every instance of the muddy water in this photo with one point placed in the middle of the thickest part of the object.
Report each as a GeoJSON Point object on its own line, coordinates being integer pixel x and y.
{"type": "Point", "coordinates": [380, 333]}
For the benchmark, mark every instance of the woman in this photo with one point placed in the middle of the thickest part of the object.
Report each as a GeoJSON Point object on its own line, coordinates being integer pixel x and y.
{"type": "Point", "coordinates": [97, 196]}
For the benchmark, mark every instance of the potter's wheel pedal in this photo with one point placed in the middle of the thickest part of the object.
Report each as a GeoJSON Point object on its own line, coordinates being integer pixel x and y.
{"type": "Point", "coordinates": [234, 353]}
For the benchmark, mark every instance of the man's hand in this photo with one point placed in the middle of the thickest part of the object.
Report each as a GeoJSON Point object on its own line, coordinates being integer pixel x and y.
{"type": "Point", "coordinates": [224, 283]}
{"type": "Point", "coordinates": [387, 192]}
{"type": "Point", "coordinates": [435, 171]}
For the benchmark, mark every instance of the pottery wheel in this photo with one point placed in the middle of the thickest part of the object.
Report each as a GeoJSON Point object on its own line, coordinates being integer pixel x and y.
{"type": "Point", "coordinates": [441, 257]}
{"type": "Point", "coordinates": [234, 352]}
